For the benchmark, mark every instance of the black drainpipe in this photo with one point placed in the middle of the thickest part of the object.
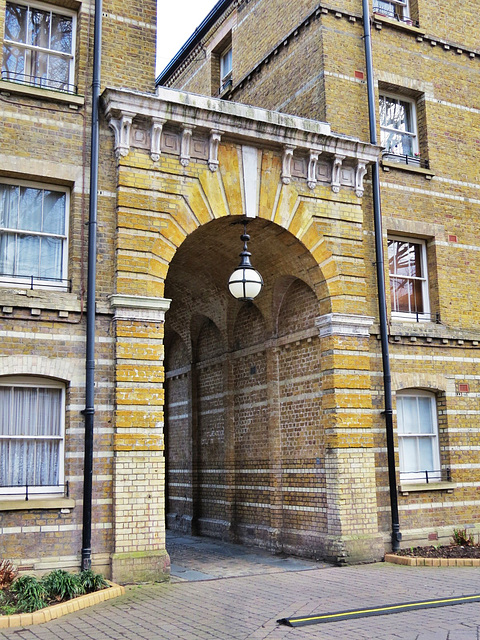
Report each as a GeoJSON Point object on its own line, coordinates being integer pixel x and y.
{"type": "Point", "coordinates": [382, 305]}
{"type": "Point", "coordinates": [92, 264]}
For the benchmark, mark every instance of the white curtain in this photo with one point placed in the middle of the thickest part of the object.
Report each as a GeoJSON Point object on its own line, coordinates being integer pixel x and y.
{"type": "Point", "coordinates": [30, 436]}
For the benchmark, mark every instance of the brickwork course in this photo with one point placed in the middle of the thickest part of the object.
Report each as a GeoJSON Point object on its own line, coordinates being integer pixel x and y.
{"type": "Point", "coordinates": [260, 423]}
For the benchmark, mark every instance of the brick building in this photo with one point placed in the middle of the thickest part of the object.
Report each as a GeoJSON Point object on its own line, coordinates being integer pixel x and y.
{"type": "Point", "coordinates": [308, 59]}
{"type": "Point", "coordinates": [271, 411]}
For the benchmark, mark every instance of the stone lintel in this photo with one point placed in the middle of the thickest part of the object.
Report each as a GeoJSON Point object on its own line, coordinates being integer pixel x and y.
{"type": "Point", "coordinates": [141, 308]}
{"type": "Point", "coordinates": [344, 324]}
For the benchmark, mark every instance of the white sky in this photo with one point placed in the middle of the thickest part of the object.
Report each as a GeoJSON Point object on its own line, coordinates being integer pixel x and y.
{"type": "Point", "coordinates": [176, 21]}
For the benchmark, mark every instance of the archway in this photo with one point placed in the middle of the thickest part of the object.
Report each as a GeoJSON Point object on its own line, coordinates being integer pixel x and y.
{"type": "Point", "coordinates": [243, 398]}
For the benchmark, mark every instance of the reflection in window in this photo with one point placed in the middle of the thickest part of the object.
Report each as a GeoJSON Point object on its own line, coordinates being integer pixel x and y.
{"type": "Point", "coordinates": [398, 127]}
{"type": "Point", "coordinates": [38, 47]}
{"type": "Point", "coordinates": [408, 281]}
{"type": "Point", "coordinates": [33, 233]}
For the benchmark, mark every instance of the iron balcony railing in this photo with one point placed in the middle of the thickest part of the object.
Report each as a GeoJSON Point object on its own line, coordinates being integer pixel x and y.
{"type": "Point", "coordinates": [427, 476]}
{"type": "Point", "coordinates": [34, 489]}
{"type": "Point", "coordinates": [36, 81]}
{"type": "Point", "coordinates": [35, 282]}
{"type": "Point", "coordinates": [414, 161]}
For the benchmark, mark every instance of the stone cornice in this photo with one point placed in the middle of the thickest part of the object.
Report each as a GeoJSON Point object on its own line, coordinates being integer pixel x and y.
{"type": "Point", "coordinates": [238, 120]}
{"type": "Point", "coordinates": [147, 121]}
{"type": "Point", "coordinates": [142, 308]}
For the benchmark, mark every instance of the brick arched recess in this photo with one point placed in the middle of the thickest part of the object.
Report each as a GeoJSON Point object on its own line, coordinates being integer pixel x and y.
{"type": "Point", "coordinates": [302, 437]}
{"type": "Point", "coordinates": [178, 435]}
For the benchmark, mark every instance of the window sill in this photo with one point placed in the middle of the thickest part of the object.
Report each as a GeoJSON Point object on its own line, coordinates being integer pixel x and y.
{"type": "Point", "coordinates": [378, 20]}
{"type": "Point", "coordinates": [387, 165]}
{"type": "Point", "coordinates": [37, 299]}
{"type": "Point", "coordinates": [8, 87]}
{"type": "Point", "coordinates": [412, 487]}
{"type": "Point", "coordinates": [36, 503]}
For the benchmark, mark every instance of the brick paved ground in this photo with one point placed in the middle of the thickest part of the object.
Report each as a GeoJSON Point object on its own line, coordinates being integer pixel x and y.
{"type": "Point", "coordinates": [248, 606]}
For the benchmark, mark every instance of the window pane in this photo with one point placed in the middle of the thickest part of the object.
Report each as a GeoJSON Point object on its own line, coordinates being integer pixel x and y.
{"type": "Point", "coordinates": [14, 62]}
{"type": "Point", "coordinates": [7, 254]}
{"type": "Point", "coordinates": [57, 74]}
{"type": "Point", "coordinates": [54, 212]}
{"type": "Point", "coordinates": [30, 215]}
{"type": "Point", "coordinates": [425, 414]}
{"type": "Point", "coordinates": [404, 258]}
{"type": "Point", "coordinates": [425, 447]}
{"type": "Point", "coordinates": [409, 414]}
{"type": "Point", "coordinates": [39, 67]}
{"type": "Point", "coordinates": [16, 22]}
{"type": "Point", "coordinates": [406, 295]}
{"type": "Point", "coordinates": [397, 143]}
{"type": "Point", "coordinates": [39, 28]}
{"type": "Point", "coordinates": [61, 38]}
{"type": "Point", "coordinates": [8, 206]}
{"type": "Point", "coordinates": [27, 262]}
{"type": "Point", "coordinates": [408, 454]}
{"type": "Point", "coordinates": [24, 412]}
{"type": "Point", "coordinates": [50, 258]}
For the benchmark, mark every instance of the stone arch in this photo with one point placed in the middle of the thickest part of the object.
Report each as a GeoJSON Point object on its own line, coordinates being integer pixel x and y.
{"type": "Point", "coordinates": [64, 369]}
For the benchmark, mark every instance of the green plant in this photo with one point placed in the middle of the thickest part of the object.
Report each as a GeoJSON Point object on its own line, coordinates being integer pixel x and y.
{"type": "Point", "coordinates": [8, 573]}
{"type": "Point", "coordinates": [460, 538]}
{"type": "Point", "coordinates": [30, 594]}
{"type": "Point", "coordinates": [60, 585]}
{"type": "Point", "coordinates": [92, 581]}
{"type": "Point", "coordinates": [8, 604]}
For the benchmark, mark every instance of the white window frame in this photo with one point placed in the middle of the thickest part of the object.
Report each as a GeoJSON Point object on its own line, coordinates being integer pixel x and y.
{"type": "Point", "coordinates": [392, 8]}
{"type": "Point", "coordinates": [423, 280]}
{"type": "Point", "coordinates": [409, 476]}
{"type": "Point", "coordinates": [29, 78]}
{"type": "Point", "coordinates": [226, 65]}
{"type": "Point", "coordinates": [412, 135]}
{"type": "Point", "coordinates": [43, 491]}
{"type": "Point", "coordinates": [37, 282]}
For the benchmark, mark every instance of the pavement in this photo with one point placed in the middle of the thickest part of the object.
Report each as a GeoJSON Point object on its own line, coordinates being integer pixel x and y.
{"type": "Point", "coordinates": [229, 592]}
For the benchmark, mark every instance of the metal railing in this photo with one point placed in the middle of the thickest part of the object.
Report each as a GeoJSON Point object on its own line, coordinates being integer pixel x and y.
{"type": "Point", "coordinates": [394, 15]}
{"type": "Point", "coordinates": [36, 282]}
{"type": "Point", "coordinates": [41, 82]}
{"type": "Point", "coordinates": [27, 490]}
{"type": "Point", "coordinates": [432, 475]}
{"type": "Point", "coordinates": [414, 161]}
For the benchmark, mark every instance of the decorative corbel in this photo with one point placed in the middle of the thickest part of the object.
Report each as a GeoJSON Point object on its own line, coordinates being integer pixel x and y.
{"type": "Point", "coordinates": [214, 141]}
{"type": "Point", "coordinates": [287, 164]}
{"type": "Point", "coordinates": [312, 170]}
{"type": "Point", "coordinates": [121, 128]}
{"type": "Point", "coordinates": [156, 138]}
{"type": "Point", "coordinates": [336, 169]}
{"type": "Point", "coordinates": [185, 146]}
{"type": "Point", "coordinates": [359, 175]}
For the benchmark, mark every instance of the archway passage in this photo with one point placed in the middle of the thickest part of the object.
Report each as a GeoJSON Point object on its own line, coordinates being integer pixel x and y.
{"type": "Point", "coordinates": [245, 444]}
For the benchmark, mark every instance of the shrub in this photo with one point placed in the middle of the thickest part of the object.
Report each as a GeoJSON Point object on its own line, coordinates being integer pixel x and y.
{"type": "Point", "coordinates": [8, 573]}
{"type": "Point", "coordinates": [30, 594]}
{"type": "Point", "coordinates": [460, 538]}
{"type": "Point", "coordinates": [60, 585]}
{"type": "Point", "coordinates": [92, 581]}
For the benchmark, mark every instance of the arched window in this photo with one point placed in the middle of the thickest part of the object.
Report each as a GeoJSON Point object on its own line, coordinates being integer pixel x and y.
{"type": "Point", "coordinates": [32, 420]}
{"type": "Point", "coordinates": [418, 436]}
